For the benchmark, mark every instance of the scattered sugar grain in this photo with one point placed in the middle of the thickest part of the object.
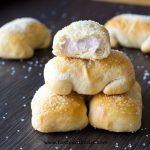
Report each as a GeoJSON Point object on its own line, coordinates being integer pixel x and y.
{"type": "Point", "coordinates": [130, 145]}
{"type": "Point", "coordinates": [66, 137]}
{"type": "Point", "coordinates": [4, 117]}
{"type": "Point", "coordinates": [12, 72]}
{"type": "Point", "coordinates": [39, 73]}
{"type": "Point", "coordinates": [22, 120]}
{"type": "Point", "coordinates": [29, 69]}
{"type": "Point", "coordinates": [116, 145]}
{"type": "Point", "coordinates": [36, 62]}
{"type": "Point", "coordinates": [3, 63]}
{"type": "Point", "coordinates": [143, 144]}
{"type": "Point", "coordinates": [24, 105]}
{"type": "Point", "coordinates": [12, 68]}
{"type": "Point", "coordinates": [23, 97]}
{"type": "Point", "coordinates": [25, 77]}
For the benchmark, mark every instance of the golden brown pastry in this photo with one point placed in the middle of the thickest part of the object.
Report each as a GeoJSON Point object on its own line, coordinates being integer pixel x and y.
{"type": "Point", "coordinates": [20, 37]}
{"type": "Point", "coordinates": [55, 113]}
{"type": "Point", "coordinates": [82, 39]}
{"type": "Point", "coordinates": [112, 75]}
{"type": "Point", "coordinates": [118, 113]}
{"type": "Point", "coordinates": [130, 30]}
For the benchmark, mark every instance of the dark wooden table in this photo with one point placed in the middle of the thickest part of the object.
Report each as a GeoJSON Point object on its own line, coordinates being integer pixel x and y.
{"type": "Point", "coordinates": [20, 79]}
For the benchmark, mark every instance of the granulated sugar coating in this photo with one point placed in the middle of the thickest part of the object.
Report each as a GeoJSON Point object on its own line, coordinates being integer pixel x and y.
{"type": "Point", "coordinates": [116, 145]}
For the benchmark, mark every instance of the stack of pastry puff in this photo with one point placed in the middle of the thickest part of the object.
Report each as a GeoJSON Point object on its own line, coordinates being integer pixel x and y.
{"type": "Point", "coordinates": [86, 65]}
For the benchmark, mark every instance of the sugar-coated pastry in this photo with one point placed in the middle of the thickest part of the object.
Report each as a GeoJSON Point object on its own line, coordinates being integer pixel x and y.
{"type": "Point", "coordinates": [130, 30]}
{"type": "Point", "coordinates": [55, 113]}
{"type": "Point", "coordinates": [112, 75]}
{"type": "Point", "coordinates": [20, 37]}
{"type": "Point", "coordinates": [82, 39]}
{"type": "Point", "coordinates": [118, 113]}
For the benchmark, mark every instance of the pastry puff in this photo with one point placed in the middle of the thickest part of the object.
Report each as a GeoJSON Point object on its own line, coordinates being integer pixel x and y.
{"type": "Point", "coordinates": [55, 113]}
{"type": "Point", "coordinates": [112, 75]}
{"type": "Point", "coordinates": [130, 30]}
{"type": "Point", "coordinates": [118, 113]}
{"type": "Point", "coordinates": [20, 37]}
{"type": "Point", "coordinates": [82, 39]}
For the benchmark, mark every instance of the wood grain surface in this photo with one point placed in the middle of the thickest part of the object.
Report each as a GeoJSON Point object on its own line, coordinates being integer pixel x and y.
{"type": "Point", "coordinates": [20, 79]}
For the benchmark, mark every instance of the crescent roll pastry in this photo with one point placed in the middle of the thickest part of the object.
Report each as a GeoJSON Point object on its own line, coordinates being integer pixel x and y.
{"type": "Point", "coordinates": [82, 39]}
{"type": "Point", "coordinates": [118, 113]}
{"type": "Point", "coordinates": [55, 113]}
{"type": "Point", "coordinates": [112, 75]}
{"type": "Point", "coordinates": [130, 30]}
{"type": "Point", "coordinates": [20, 37]}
